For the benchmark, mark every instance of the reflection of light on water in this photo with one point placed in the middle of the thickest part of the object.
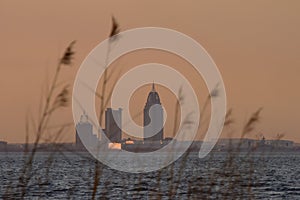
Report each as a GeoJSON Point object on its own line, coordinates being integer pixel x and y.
{"type": "Point", "coordinates": [114, 146]}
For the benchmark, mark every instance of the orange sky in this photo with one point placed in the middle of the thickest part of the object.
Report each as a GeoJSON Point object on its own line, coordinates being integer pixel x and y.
{"type": "Point", "coordinates": [255, 44]}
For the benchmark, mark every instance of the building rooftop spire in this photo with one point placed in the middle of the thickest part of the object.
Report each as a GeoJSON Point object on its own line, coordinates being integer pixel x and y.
{"type": "Point", "coordinates": [84, 117]}
{"type": "Point", "coordinates": [153, 97]}
{"type": "Point", "coordinates": [153, 87]}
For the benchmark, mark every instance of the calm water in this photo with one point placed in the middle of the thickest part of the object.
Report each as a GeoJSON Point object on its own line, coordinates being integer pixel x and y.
{"type": "Point", "coordinates": [71, 176]}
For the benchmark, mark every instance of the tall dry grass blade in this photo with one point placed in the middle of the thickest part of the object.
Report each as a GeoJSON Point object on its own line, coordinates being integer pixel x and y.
{"type": "Point", "coordinates": [255, 117]}
{"type": "Point", "coordinates": [68, 55]}
{"type": "Point", "coordinates": [26, 171]}
{"type": "Point", "coordinates": [228, 118]}
{"type": "Point", "coordinates": [115, 29]}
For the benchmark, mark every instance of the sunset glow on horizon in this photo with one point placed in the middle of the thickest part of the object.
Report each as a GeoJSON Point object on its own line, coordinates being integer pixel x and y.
{"type": "Point", "coordinates": [255, 45]}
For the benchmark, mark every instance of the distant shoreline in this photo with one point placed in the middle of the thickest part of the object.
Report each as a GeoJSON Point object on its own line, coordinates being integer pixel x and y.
{"type": "Point", "coordinates": [195, 147]}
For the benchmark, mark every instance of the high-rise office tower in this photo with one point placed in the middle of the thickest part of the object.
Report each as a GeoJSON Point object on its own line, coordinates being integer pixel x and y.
{"type": "Point", "coordinates": [113, 125]}
{"type": "Point", "coordinates": [84, 127]}
{"type": "Point", "coordinates": [153, 118]}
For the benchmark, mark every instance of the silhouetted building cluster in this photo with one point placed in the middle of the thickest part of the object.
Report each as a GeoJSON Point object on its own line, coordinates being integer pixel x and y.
{"type": "Point", "coordinates": [113, 130]}
{"type": "Point", "coordinates": [153, 122]}
{"type": "Point", "coordinates": [154, 132]}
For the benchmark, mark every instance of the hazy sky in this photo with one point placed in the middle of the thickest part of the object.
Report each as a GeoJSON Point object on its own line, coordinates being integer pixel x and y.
{"type": "Point", "coordinates": [255, 44]}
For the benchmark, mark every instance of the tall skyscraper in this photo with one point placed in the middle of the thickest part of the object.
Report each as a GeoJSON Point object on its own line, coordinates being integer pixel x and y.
{"type": "Point", "coordinates": [153, 130]}
{"type": "Point", "coordinates": [84, 127]}
{"type": "Point", "coordinates": [113, 125]}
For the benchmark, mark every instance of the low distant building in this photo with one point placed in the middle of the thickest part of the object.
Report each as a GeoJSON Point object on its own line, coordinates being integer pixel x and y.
{"type": "Point", "coordinates": [296, 145]}
{"type": "Point", "coordinates": [243, 143]}
{"type": "Point", "coordinates": [141, 146]}
{"type": "Point", "coordinates": [280, 143]}
{"type": "Point", "coordinates": [167, 140]}
{"type": "Point", "coordinates": [3, 143]}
